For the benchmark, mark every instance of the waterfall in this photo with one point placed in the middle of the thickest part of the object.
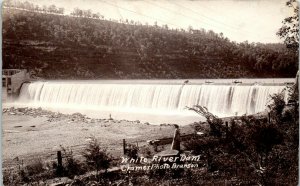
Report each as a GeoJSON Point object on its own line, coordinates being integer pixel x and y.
{"type": "Point", "coordinates": [222, 100]}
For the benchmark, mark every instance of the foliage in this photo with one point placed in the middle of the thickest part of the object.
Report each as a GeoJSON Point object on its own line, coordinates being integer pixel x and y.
{"type": "Point", "coordinates": [290, 28]}
{"type": "Point", "coordinates": [72, 167]}
{"type": "Point", "coordinates": [214, 122]}
{"type": "Point", "coordinates": [293, 91]}
{"type": "Point", "coordinates": [265, 136]}
{"type": "Point", "coordinates": [132, 151]}
{"type": "Point", "coordinates": [201, 146]}
{"type": "Point", "coordinates": [96, 157]}
{"type": "Point", "coordinates": [253, 150]}
{"type": "Point", "coordinates": [34, 167]}
{"type": "Point", "coordinates": [91, 47]}
{"type": "Point", "coordinates": [277, 105]}
{"type": "Point", "coordinates": [31, 7]}
{"type": "Point", "coordinates": [33, 171]}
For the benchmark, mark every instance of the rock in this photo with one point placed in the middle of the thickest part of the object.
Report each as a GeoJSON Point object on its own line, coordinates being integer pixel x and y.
{"type": "Point", "coordinates": [12, 113]}
{"type": "Point", "coordinates": [200, 133]}
{"type": "Point", "coordinates": [21, 109]}
{"type": "Point", "coordinates": [147, 123]}
{"type": "Point", "coordinates": [137, 121]}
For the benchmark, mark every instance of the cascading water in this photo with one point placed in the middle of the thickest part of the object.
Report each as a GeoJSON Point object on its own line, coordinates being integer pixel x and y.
{"type": "Point", "coordinates": [222, 100]}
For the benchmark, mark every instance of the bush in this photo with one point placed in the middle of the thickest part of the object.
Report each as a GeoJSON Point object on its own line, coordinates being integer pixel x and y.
{"type": "Point", "coordinates": [35, 167]}
{"type": "Point", "coordinates": [276, 106]}
{"type": "Point", "coordinates": [265, 136]}
{"type": "Point", "coordinates": [201, 145]}
{"type": "Point", "coordinates": [11, 177]}
{"type": "Point", "coordinates": [72, 167]}
{"type": "Point", "coordinates": [96, 157]}
{"type": "Point", "coordinates": [132, 151]}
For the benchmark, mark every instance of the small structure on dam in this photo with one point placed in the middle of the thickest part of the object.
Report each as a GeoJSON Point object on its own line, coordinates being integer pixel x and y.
{"type": "Point", "coordinates": [12, 80]}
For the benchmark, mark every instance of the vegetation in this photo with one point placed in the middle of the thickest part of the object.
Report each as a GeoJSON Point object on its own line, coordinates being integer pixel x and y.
{"type": "Point", "coordinates": [35, 170]}
{"type": "Point", "coordinates": [96, 157]}
{"type": "Point", "coordinates": [43, 40]}
{"type": "Point", "coordinates": [132, 151]}
{"type": "Point", "coordinates": [290, 28]}
{"type": "Point", "coordinates": [248, 150]}
{"type": "Point", "coordinates": [72, 167]}
{"type": "Point", "coordinates": [214, 122]}
{"type": "Point", "coordinates": [252, 150]}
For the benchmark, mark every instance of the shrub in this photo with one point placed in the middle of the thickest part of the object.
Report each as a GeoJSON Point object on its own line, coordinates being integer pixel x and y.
{"type": "Point", "coordinates": [11, 177]}
{"type": "Point", "coordinates": [276, 106]}
{"type": "Point", "coordinates": [265, 137]}
{"type": "Point", "coordinates": [35, 167]}
{"type": "Point", "coordinates": [96, 157]}
{"type": "Point", "coordinates": [132, 151]}
{"type": "Point", "coordinates": [201, 145]}
{"type": "Point", "coordinates": [72, 166]}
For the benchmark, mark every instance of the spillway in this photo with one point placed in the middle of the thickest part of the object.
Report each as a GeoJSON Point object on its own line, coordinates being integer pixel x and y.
{"type": "Point", "coordinates": [155, 99]}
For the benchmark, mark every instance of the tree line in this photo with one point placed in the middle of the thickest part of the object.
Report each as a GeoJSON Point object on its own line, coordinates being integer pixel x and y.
{"type": "Point", "coordinates": [32, 7]}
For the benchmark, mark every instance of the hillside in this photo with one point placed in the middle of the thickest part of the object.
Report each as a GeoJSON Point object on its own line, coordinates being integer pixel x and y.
{"type": "Point", "coordinates": [56, 46]}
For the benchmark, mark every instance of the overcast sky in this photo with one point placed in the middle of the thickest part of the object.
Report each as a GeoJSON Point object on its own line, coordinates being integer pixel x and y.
{"type": "Point", "coordinates": [239, 20]}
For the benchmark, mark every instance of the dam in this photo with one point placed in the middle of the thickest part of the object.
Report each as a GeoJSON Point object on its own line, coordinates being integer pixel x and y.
{"type": "Point", "coordinates": [156, 101]}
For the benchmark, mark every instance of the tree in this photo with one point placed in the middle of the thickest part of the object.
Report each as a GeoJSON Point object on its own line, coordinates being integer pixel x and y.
{"type": "Point", "coordinates": [290, 28]}
{"type": "Point", "coordinates": [61, 10]}
{"type": "Point", "coordinates": [96, 157]}
{"type": "Point", "coordinates": [77, 12]}
{"type": "Point", "coordinates": [190, 29]}
{"type": "Point", "coordinates": [87, 13]}
{"type": "Point", "coordinates": [28, 6]}
{"type": "Point", "coordinates": [96, 16]}
{"type": "Point", "coordinates": [52, 9]}
{"type": "Point", "coordinates": [44, 9]}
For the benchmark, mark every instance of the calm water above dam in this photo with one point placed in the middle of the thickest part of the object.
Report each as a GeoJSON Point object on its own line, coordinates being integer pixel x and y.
{"type": "Point", "coordinates": [154, 101]}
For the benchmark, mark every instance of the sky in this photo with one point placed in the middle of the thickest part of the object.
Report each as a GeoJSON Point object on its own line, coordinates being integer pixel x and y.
{"type": "Point", "coordinates": [239, 20]}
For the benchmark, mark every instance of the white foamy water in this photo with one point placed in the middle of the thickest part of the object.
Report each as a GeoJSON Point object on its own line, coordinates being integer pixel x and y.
{"type": "Point", "coordinates": [153, 102]}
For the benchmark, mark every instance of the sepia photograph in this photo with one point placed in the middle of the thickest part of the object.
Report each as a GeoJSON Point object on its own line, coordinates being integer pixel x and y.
{"type": "Point", "coordinates": [150, 92]}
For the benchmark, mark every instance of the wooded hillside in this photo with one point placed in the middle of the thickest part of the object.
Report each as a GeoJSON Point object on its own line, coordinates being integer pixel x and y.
{"type": "Point", "coordinates": [58, 46]}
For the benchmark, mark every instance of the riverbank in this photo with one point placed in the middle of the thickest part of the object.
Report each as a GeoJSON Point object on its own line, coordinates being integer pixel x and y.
{"type": "Point", "coordinates": [36, 133]}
